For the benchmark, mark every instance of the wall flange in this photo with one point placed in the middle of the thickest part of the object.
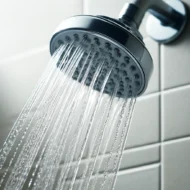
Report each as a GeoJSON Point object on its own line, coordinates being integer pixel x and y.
{"type": "Point", "coordinates": [166, 21]}
{"type": "Point", "coordinates": [167, 32]}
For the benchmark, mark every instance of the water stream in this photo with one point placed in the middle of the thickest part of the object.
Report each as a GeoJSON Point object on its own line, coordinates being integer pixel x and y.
{"type": "Point", "coordinates": [68, 135]}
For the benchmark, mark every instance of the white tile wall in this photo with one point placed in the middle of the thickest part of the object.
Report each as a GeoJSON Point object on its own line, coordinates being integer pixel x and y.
{"type": "Point", "coordinates": [175, 60]}
{"type": "Point", "coordinates": [17, 79]}
{"type": "Point", "coordinates": [145, 125]}
{"type": "Point", "coordinates": [26, 27]}
{"type": "Point", "coordinates": [140, 156]}
{"type": "Point", "coordinates": [139, 179]}
{"type": "Point", "coordinates": [132, 159]}
{"type": "Point", "coordinates": [133, 179]}
{"type": "Point", "coordinates": [176, 110]}
{"type": "Point", "coordinates": [176, 167]}
{"type": "Point", "coordinates": [153, 48]}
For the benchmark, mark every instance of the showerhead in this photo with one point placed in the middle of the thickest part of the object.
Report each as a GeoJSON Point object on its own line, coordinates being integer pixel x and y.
{"type": "Point", "coordinates": [122, 46]}
{"type": "Point", "coordinates": [120, 43]}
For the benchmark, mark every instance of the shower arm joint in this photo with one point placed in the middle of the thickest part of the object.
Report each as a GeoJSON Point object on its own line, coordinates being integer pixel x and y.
{"type": "Point", "coordinates": [136, 10]}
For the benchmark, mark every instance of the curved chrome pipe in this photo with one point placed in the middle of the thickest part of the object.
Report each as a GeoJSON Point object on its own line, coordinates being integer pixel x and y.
{"type": "Point", "coordinates": [168, 13]}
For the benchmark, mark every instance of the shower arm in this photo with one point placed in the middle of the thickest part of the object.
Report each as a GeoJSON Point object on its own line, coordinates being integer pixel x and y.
{"type": "Point", "coordinates": [168, 16]}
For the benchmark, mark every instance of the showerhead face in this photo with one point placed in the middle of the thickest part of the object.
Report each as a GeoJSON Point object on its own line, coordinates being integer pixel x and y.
{"type": "Point", "coordinates": [122, 50]}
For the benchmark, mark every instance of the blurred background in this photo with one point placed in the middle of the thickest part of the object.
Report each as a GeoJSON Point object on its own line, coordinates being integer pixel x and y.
{"type": "Point", "coordinates": [157, 155]}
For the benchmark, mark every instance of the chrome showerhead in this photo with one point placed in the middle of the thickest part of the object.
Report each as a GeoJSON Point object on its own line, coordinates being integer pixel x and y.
{"type": "Point", "coordinates": [132, 63]}
{"type": "Point", "coordinates": [118, 41]}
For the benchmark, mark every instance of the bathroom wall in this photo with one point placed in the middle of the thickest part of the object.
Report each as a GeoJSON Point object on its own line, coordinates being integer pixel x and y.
{"type": "Point", "coordinates": [157, 155]}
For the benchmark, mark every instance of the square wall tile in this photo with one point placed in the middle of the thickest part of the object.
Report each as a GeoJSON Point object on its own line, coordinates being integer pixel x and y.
{"type": "Point", "coordinates": [147, 179]}
{"type": "Point", "coordinates": [145, 123]}
{"type": "Point", "coordinates": [154, 82]}
{"type": "Point", "coordinates": [176, 109]}
{"type": "Point", "coordinates": [176, 165]}
{"type": "Point", "coordinates": [140, 156]}
{"type": "Point", "coordinates": [109, 8]}
{"type": "Point", "coordinates": [175, 60]}
{"type": "Point", "coordinates": [27, 25]}
{"type": "Point", "coordinates": [17, 80]}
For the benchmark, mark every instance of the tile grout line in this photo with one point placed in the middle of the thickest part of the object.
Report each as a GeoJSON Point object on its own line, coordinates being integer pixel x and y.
{"type": "Point", "coordinates": [160, 115]}
{"type": "Point", "coordinates": [83, 9]}
{"type": "Point", "coordinates": [82, 6]}
{"type": "Point", "coordinates": [141, 168]}
{"type": "Point", "coordinates": [176, 140]}
{"type": "Point", "coordinates": [24, 54]}
{"type": "Point", "coordinates": [162, 92]}
{"type": "Point", "coordinates": [161, 118]}
{"type": "Point", "coordinates": [155, 144]}
{"type": "Point", "coordinates": [151, 145]}
{"type": "Point", "coordinates": [150, 163]}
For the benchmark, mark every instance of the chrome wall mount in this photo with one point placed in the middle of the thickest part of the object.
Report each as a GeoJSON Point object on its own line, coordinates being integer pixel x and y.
{"type": "Point", "coordinates": [165, 22]}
